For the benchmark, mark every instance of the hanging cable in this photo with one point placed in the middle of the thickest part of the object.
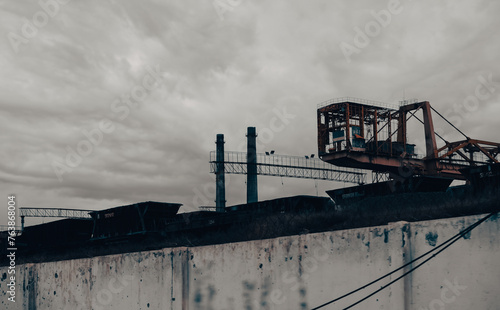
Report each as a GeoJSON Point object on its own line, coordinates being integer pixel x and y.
{"type": "Point", "coordinates": [448, 243]}
{"type": "Point", "coordinates": [421, 121]}
{"type": "Point", "coordinates": [450, 123]}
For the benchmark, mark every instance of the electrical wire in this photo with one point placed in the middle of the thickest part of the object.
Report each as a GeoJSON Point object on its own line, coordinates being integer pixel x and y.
{"type": "Point", "coordinates": [448, 243]}
{"type": "Point", "coordinates": [413, 269]}
{"type": "Point", "coordinates": [421, 121]}
{"type": "Point", "coordinates": [452, 239]}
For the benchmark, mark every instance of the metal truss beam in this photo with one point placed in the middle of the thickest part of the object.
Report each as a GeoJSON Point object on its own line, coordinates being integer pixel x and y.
{"type": "Point", "coordinates": [55, 212]}
{"type": "Point", "coordinates": [288, 166]}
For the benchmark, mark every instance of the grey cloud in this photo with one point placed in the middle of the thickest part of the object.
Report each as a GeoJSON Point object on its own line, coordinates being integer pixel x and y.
{"type": "Point", "coordinates": [220, 76]}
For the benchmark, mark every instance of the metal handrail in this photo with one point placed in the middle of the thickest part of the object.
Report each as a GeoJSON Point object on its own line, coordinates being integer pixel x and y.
{"type": "Point", "coordinates": [408, 101]}
{"type": "Point", "coordinates": [55, 212]}
{"type": "Point", "coordinates": [358, 100]}
{"type": "Point", "coordinates": [282, 160]}
{"type": "Point", "coordinates": [287, 166]}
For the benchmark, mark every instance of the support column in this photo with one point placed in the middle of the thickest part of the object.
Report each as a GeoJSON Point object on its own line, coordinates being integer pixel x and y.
{"type": "Point", "coordinates": [375, 130]}
{"type": "Point", "coordinates": [402, 128]}
{"type": "Point", "coordinates": [347, 127]}
{"type": "Point", "coordinates": [430, 137]}
{"type": "Point", "coordinates": [252, 165]}
{"type": "Point", "coordinates": [430, 140]}
{"type": "Point", "coordinates": [220, 195]}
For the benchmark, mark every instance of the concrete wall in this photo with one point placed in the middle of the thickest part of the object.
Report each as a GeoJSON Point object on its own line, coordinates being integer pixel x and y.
{"type": "Point", "coordinates": [297, 272]}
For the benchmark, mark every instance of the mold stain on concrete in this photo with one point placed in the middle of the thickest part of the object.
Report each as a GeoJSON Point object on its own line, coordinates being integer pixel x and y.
{"type": "Point", "coordinates": [32, 288]}
{"type": "Point", "coordinates": [467, 235]}
{"type": "Point", "coordinates": [185, 280]}
{"type": "Point", "coordinates": [264, 294]}
{"type": "Point", "coordinates": [198, 297]}
{"type": "Point", "coordinates": [303, 297]}
{"type": "Point", "coordinates": [248, 289]}
{"type": "Point", "coordinates": [431, 238]}
{"type": "Point", "coordinates": [172, 280]}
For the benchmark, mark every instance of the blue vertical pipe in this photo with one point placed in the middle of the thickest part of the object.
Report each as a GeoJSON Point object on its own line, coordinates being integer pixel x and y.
{"type": "Point", "coordinates": [220, 195]}
{"type": "Point", "coordinates": [251, 165]}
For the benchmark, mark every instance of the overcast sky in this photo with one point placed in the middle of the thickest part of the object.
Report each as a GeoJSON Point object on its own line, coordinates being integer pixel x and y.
{"type": "Point", "coordinates": [193, 69]}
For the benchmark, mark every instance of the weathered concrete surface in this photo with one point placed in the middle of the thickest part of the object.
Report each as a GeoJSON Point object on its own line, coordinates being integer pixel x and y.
{"type": "Point", "coordinates": [297, 272]}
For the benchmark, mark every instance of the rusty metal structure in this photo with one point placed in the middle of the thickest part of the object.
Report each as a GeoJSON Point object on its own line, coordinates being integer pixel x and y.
{"type": "Point", "coordinates": [372, 135]}
{"type": "Point", "coordinates": [54, 212]}
{"type": "Point", "coordinates": [286, 166]}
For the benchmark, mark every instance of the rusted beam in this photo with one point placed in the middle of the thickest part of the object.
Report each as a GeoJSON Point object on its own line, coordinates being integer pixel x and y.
{"type": "Point", "coordinates": [362, 122]}
{"type": "Point", "coordinates": [470, 161]}
{"type": "Point", "coordinates": [454, 149]}
{"type": "Point", "coordinates": [430, 137]}
{"type": "Point", "coordinates": [347, 127]}
{"type": "Point", "coordinates": [412, 106]}
{"type": "Point", "coordinates": [375, 131]}
{"type": "Point", "coordinates": [447, 145]}
{"type": "Point", "coordinates": [402, 128]}
{"type": "Point", "coordinates": [486, 153]}
{"type": "Point", "coordinates": [485, 142]}
{"type": "Point", "coordinates": [321, 132]}
{"type": "Point", "coordinates": [390, 133]}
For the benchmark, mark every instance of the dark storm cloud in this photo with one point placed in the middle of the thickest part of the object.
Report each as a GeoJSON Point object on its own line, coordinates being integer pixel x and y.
{"type": "Point", "coordinates": [263, 64]}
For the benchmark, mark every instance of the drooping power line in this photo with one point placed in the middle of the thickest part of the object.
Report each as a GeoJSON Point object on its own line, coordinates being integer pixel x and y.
{"type": "Point", "coordinates": [443, 245]}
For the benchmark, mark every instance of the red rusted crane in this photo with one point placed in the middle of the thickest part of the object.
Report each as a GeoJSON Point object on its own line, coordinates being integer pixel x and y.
{"type": "Point", "coordinates": [371, 135]}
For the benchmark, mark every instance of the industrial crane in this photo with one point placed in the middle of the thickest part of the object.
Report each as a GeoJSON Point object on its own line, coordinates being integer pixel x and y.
{"type": "Point", "coordinates": [365, 134]}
